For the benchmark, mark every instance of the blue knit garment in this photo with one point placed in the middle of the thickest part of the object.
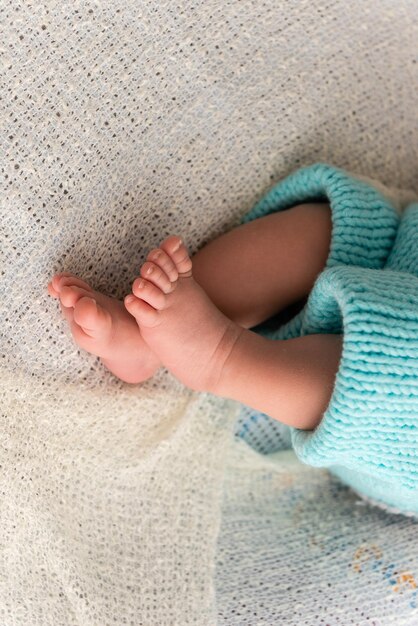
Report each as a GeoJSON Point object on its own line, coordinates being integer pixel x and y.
{"type": "Point", "coordinates": [370, 428]}
{"type": "Point", "coordinates": [368, 291]}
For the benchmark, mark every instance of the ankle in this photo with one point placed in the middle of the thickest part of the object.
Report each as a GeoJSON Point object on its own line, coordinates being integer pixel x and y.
{"type": "Point", "coordinates": [219, 371]}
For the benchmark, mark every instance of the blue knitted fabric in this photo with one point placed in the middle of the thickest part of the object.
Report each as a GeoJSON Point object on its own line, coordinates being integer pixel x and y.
{"type": "Point", "coordinates": [404, 253]}
{"type": "Point", "coordinates": [368, 435]}
{"type": "Point", "coordinates": [363, 231]}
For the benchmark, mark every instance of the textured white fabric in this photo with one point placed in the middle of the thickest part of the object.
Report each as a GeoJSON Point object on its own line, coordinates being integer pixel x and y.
{"type": "Point", "coordinates": [123, 122]}
{"type": "Point", "coordinates": [298, 548]}
{"type": "Point", "coordinates": [107, 512]}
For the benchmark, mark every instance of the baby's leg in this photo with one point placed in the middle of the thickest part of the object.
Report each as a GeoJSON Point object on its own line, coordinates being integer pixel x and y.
{"type": "Point", "coordinates": [260, 268]}
{"type": "Point", "coordinates": [291, 380]}
{"type": "Point", "coordinates": [284, 253]}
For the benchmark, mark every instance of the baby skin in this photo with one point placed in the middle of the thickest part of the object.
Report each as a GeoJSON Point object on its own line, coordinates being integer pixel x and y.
{"type": "Point", "coordinates": [193, 316]}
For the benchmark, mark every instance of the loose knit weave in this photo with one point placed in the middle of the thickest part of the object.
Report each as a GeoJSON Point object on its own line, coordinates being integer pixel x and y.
{"type": "Point", "coordinates": [123, 122]}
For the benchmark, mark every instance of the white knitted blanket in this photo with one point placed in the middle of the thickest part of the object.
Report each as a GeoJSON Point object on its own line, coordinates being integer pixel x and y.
{"type": "Point", "coordinates": [123, 122]}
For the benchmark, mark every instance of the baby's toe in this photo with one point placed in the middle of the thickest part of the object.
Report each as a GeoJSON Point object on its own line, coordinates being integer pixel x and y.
{"type": "Point", "coordinates": [155, 275]}
{"type": "Point", "coordinates": [52, 292]}
{"type": "Point", "coordinates": [69, 296]}
{"type": "Point", "coordinates": [161, 258]}
{"type": "Point", "coordinates": [93, 319]}
{"type": "Point", "coordinates": [144, 314]}
{"type": "Point", "coordinates": [55, 284]}
{"type": "Point", "coordinates": [65, 279]}
{"type": "Point", "coordinates": [147, 291]}
{"type": "Point", "coordinates": [67, 312]}
{"type": "Point", "coordinates": [177, 251]}
{"type": "Point", "coordinates": [55, 281]}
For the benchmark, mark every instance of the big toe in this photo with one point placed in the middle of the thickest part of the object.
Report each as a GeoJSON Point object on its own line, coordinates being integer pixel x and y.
{"type": "Point", "coordinates": [177, 251]}
{"type": "Point", "coordinates": [65, 279]}
{"type": "Point", "coordinates": [93, 319]}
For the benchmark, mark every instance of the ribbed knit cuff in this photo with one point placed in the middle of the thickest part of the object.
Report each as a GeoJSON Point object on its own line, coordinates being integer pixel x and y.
{"type": "Point", "coordinates": [404, 254]}
{"type": "Point", "coordinates": [371, 423]}
{"type": "Point", "coordinates": [364, 222]}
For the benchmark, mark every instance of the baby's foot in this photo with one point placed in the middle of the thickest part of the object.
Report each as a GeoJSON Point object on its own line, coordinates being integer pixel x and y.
{"type": "Point", "coordinates": [102, 326]}
{"type": "Point", "coordinates": [179, 322]}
